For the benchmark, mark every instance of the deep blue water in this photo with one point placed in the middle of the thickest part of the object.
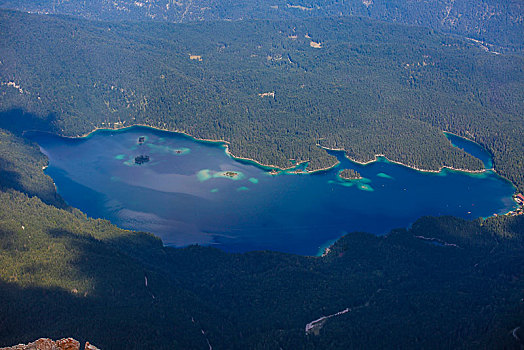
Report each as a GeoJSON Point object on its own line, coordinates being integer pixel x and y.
{"type": "Point", "coordinates": [182, 196]}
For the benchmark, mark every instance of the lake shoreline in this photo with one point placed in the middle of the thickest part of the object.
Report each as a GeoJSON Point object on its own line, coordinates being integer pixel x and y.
{"type": "Point", "coordinates": [127, 137]}
{"type": "Point", "coordinates": [378, 155]}
{"type": "Point", "coordinates": [224, 142]}
{"type": "Point", "coordinates": [475, 142]}
{"type": "Point", "coordinates": [416, 168]}
{"type": "Point", "coordinates": [278, 168]}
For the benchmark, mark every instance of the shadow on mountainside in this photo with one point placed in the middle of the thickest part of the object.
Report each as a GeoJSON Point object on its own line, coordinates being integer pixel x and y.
{"type": "Point", "coordinates": [11, 178]}
{"type": "Point", "coordinates": [62, 274]}
{"type": "Point", "coordinates": [22, 163]}
{"type": "Point", "coordinates": [73, 285]}
{"type": "Point", "coordinates": [18, 121]}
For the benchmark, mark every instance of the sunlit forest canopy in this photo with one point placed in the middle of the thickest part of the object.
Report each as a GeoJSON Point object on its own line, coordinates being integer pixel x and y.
{"type": "Point", "coordinates": [274, 90]}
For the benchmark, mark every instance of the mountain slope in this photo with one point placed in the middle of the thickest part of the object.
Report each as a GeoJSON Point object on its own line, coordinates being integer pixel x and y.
{"type": "Point", "coordinates": [444, 283]}
{"type": "Point", "coordinates": [370, 88]}
{"type": "Point", "coordinates": [63, 274]}
{"type": "Point", "coordinates": [365, 86]}
{"type": "Point", "coordinates": [494, 21]}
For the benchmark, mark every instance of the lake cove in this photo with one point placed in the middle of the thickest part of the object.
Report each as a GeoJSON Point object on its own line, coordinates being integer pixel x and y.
{"type": "Point", "coordinates": [193, 192]}
{"type": "Point", "coordinates": [472, 148]}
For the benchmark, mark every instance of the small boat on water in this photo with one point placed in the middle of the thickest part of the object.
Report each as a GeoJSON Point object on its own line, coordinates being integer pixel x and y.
{"type": "Point", "coordinates": [141, 140]}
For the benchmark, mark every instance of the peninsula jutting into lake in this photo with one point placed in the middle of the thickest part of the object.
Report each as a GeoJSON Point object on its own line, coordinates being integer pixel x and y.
{"type": "Point", "coordinates": [248, 174]}
{"type": "Point", "coordinates": [204, 196]}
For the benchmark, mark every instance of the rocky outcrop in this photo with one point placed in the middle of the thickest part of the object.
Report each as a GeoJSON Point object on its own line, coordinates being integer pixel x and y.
{"type": "Point", "coordinates": [48, 344]}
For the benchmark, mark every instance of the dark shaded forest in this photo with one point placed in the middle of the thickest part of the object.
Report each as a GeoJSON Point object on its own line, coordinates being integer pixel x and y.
{"type": "Point", "coordinates": [443, 283]}
{"type": "Point", "coordinates": [274, 90]}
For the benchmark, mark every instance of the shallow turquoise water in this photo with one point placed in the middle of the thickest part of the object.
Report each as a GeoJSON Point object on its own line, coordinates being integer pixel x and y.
{"type": "Point", "coordinates": [193, 192]}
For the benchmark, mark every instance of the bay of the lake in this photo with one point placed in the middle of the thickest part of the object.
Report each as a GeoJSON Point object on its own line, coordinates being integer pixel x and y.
{"type": "Point", "coordinates": [192, 192]}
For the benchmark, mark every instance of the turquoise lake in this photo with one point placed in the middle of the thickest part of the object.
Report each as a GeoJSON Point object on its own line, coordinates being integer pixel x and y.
{"type": "Point", "coordinates": [185, 195]}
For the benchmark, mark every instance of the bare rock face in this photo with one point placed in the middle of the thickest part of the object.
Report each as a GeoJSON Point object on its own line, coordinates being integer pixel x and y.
{"type": "Point", "coordinates": [48, 344]}
{"type": "Point", "coordinates": [68, 344]}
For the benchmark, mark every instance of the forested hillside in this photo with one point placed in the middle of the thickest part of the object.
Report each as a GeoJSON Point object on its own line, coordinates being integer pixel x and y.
{"type": "Point", "coordinates": [274, 90]}
{"type": "Point", "coordinates": [498, 22]}
{"type": "Point", "coordinates": [444, 283]}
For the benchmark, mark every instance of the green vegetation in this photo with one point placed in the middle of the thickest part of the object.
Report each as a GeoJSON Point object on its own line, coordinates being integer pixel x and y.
{"type": "Point", "coordinates": [349, 174]}
{"type": "Point", "coordinates": [495, 21]}
{"type": "Point", "coordinates": [367, 87]}
{"type": "Point", "coordinates": [64, 274]}
{"type": "Point", "coordinates": [21, 168]}
{"type": "Point", "coordinates": [372, 88]}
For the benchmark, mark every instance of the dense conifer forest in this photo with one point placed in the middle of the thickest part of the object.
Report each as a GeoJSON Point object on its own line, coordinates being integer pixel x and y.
{"type": "Point", "coordinates": [495, 22]}
{"type": "Point", "coordinates": [275, 90]}
{"type": "Point", "coordinates": [443, 283]}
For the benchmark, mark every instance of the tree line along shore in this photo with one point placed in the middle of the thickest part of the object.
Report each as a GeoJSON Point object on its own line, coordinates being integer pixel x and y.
{"type": "Point", "coordinates": [371, 88]}
{"type": "Point", "coordinates": [386, 97]}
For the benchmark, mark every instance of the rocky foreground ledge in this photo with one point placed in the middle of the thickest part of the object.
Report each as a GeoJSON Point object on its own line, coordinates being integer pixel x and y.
{"type": "Point", "coordinates": [48, 344]}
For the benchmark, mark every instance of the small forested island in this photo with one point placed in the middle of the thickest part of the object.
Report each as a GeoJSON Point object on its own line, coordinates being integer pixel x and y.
{"type": "Point", "coordinates": [141, 159]}
{"type": "Point", "coordinates": [373, 88]}
{"type": "Point", "coordinates": [349, 174]}
{"type": "Point", "coordinates": [409, 132]}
